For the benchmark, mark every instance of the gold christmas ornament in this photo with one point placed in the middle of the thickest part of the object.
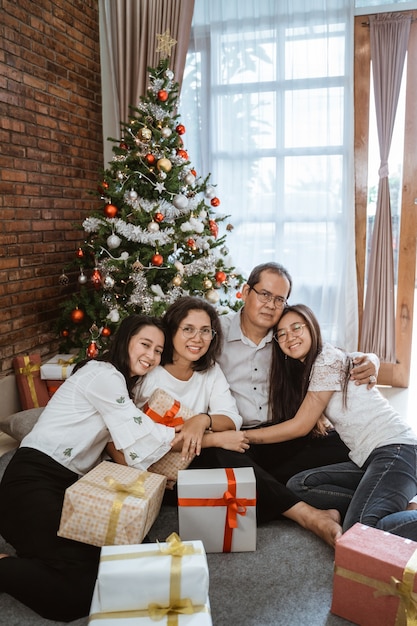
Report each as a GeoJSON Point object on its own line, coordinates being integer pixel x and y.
{"type": "Point", "coordinates": [145, 134]}
{"type": "Point", "coordinates": [164, 165]}
{"type": "Point", "coordinates": [177, 280]}
{"type": "Point", "coordinates": [207, 284]}
{"type": "Point", "coordinates": [212, 296]}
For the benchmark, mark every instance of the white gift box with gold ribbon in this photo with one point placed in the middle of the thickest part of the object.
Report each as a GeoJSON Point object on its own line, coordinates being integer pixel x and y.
{"type": "Point", "coordinates": [58, 368]}
{"type": "Point", "coordinates": [111, 505]}
{"type": "Point", "coordinates": [166, 582]}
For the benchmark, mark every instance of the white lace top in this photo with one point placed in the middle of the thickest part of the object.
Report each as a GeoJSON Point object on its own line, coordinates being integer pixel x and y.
{"type": "Point", "coordinates": [367, 421]}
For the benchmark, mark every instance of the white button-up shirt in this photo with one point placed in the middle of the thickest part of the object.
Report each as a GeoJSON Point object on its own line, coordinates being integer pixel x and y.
{"type": "Point", "coordinates": [246, 366]}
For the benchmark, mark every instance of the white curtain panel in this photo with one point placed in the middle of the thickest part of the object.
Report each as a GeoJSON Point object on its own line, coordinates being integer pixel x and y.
{"type": "Point", "coordinates": [267, 101]}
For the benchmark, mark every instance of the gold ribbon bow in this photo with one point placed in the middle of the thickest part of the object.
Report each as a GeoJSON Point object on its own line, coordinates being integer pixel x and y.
{"type": "Point", "coordinates": [28, 370]}
{"type": "Point", "coordinates": [64, 364]}
{"type": "Point", "coordinates": [182, 607]}
{"type": "Point", "coordinates": [135, 489]}
{"type": "Point", "coordinates": [175, 547]}
{"type": "Point", "coordinates": [407, 614]}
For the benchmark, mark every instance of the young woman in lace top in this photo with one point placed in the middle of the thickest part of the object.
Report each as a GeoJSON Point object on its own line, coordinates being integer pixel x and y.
{"type": "Point", "coordinates": [310, 379]}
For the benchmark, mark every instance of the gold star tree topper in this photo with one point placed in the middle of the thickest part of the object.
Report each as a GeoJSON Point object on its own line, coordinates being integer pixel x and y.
{"type": "Point", "coordinates": [165, 42]}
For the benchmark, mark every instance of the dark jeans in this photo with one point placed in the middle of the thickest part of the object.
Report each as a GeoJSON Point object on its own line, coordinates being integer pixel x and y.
{"type": "Point", "coordinates": [376, 494]}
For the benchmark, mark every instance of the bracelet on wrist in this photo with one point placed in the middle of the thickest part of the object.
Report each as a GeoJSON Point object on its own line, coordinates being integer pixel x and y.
{"type": "Point", "coordinates": [210, 426]}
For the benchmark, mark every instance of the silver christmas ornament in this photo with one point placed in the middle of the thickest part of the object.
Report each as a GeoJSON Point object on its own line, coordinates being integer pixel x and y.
{"type": "Point", "coordinates": [179, 201]}
{"type": "Point", "coordinates": [113, 241]}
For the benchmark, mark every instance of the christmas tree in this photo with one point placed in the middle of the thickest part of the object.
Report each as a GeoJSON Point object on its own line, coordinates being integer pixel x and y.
{"type": "Point", "coordinates": [157, 236]}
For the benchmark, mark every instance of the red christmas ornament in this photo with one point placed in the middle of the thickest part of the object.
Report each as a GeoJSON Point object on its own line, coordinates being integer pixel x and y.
{"type": "Point", "coordinates": [123, 145]}
{"type": "Point", "coordinates": [65, 332]}
{"type": "Point", "coordinates": [77, 315]}
{"type": "Point", "coordinates": [157, 260]}
{"type": "Point", "coordinates": [220, 277]}
{"type": "Point", "coordinates": [105, 331]}
{"type": "Point", "coordinates": [92, 350]}
{"type": "Point", "coordinates": [183, 154]}
{"type": "Point", "coordinates": [96, 278]}
{"type": "Point", "coordinates": [80, 253]}
{"type": "Point", "coordinates": [214, 202]}
{"type": "Point", "coordinates": [162, 95]}
{"type": "Point", "coordinates": [194, 173]}
{"type": "Point", "coordinates": [238, 295]}
{"type": "Point", "coordinates": [150, 159]}
{"type": "Point", "coordinates": [214, 228]}
{"type": "Point", "coordinates": [159, 217]}
{"type": "Point", "coordinates": [180, 129]}
{"type": "Point", "coordinates": [191, 243]}
{"type": "Point", "coordinates": [110, 210]}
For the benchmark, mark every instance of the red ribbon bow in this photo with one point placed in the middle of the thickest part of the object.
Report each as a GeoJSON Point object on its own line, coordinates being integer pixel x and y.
{"type": "Point", "coordinates": [168, 419]}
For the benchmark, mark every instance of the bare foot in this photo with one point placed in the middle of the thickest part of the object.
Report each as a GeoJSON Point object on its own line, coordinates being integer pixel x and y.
{"type": "Point", "coordinates": [326, 525]}
{"type": "Point", "coordinates": [412, 506]}
{"type": "Point", "coordinates": [323, 523]}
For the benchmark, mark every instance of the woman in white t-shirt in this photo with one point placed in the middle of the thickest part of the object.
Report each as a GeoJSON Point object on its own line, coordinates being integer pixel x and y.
{"type": "Point", "coordinates": [54, 576]}
{"type": "Point", "coordinates": [310, 379]}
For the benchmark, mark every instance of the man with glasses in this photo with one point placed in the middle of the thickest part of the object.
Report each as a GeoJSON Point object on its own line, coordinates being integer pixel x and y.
{"type": "Point", "coordinates": [246, 361]}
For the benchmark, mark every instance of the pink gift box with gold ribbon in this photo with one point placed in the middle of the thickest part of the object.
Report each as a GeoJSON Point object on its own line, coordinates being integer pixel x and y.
{"type": "Point", "coordinates": [111, 505]}
{"type": "Point", "coordinates": [374, 578]}
{"type": "Point", "coordinates": [218, 506]}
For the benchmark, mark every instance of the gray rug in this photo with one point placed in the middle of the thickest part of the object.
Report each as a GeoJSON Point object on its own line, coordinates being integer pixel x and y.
{"type": "Point", "coordinates": [286, 582]}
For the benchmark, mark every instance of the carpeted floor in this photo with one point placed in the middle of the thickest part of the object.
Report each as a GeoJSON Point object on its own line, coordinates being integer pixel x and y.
{"type": "Point", "coordinates": [287, 581]}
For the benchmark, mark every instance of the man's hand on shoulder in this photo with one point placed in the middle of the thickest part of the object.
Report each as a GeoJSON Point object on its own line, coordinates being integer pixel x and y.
{"type": "Point", "coordinates": [365, 370]}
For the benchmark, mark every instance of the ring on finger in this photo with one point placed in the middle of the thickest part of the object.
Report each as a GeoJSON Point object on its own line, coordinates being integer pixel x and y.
{"type": "Point", "coordinates": [372, 379]}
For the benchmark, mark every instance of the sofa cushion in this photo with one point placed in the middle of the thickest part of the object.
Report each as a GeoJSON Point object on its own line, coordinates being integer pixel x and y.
{"type": "Point", "coordinates": [20, 424]}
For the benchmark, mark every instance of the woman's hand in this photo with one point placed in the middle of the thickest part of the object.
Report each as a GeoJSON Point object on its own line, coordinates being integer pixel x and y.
{"type": "Point", "coordinates": [191, 435]}
{"type": "Point", "coordinates": [235, 440]}
{"type": "Point", "coordinates": [364, 371]}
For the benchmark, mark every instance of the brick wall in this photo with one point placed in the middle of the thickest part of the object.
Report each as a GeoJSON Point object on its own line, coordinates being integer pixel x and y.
{"type": "Point", "coordinates": [50, 160]}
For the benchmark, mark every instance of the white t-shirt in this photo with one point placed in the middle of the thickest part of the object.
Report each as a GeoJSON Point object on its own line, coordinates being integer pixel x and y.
{"type": "Point", "coordinates": [91, 408]}
{"type": "Point", "coordinates": [368, 421]}
{"type": "Point", "coordinates": [204, 392]}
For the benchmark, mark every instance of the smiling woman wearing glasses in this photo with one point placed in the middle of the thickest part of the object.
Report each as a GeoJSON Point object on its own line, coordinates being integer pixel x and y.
{"type": "Point", "coordinates": [310, 378]}
{"type": "Point", "coordinates": [189, 373]}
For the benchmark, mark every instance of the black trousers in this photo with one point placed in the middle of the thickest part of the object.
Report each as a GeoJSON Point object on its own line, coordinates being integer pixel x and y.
{"type": "Point", "coordinates": [53, 576]}
{"type": "Point", "coordinates": [273, 465]}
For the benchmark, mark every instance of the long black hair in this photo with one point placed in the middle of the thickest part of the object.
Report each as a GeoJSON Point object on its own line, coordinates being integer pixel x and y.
{"type": "Point", "coordinates": [118, 352]}
{"type": "Point", "coordinates": [172, 320]}
{"type": "Point", "coordinates": [289, 377]}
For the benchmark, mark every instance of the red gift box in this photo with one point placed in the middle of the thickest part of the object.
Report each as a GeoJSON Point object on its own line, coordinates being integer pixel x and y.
{"type": "Point", "coordinates": [33, 391]}
{"type": "Point", "coordinates": [374, 578]}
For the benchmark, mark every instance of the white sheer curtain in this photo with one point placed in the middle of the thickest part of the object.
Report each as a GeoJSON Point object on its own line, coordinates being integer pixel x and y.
{"type": "Point", "coordinates": [267, 101]}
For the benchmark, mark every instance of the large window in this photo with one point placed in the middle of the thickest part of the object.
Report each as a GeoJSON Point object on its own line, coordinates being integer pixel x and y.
{"type": "Point", "coordinates": [273, 125]}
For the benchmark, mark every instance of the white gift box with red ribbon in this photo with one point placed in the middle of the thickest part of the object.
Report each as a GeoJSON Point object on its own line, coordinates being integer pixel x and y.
{"type": "Point", "coordinates": [218, 506]}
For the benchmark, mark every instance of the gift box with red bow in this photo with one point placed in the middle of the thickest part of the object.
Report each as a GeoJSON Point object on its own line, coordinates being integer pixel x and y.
{"type": "Point", "coordinates": [374, 578]}
{"type": "Point", "coordinates": [218, 506]}
{"type": "Point", "coordinates": [33, 391]}
{"type": "Point", "coordinates": [111, 505]}
{"type": "Point", "coordinates": [164, 409]}
{"type": "Point", "coordinates": [155, 582]}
